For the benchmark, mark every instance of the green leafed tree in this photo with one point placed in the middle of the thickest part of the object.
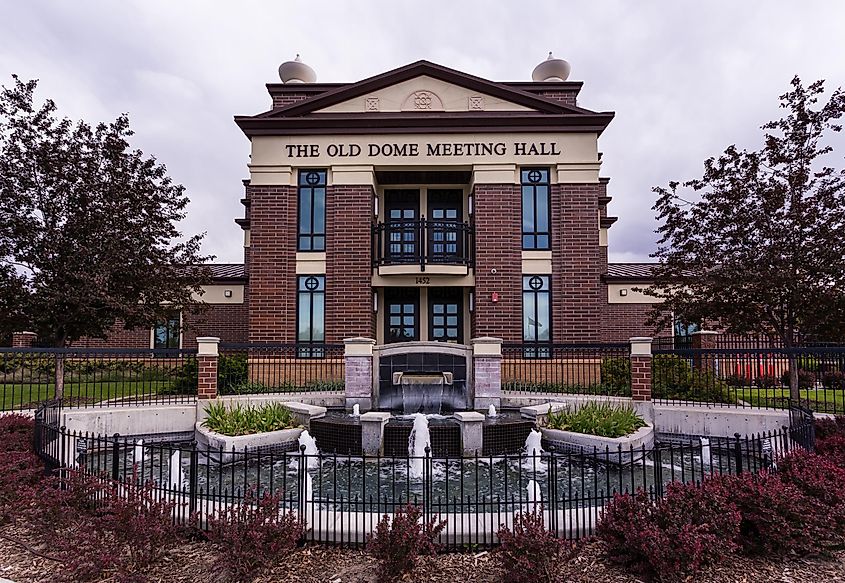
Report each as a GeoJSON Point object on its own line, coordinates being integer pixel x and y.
{"type": "Point", "coordinates": [88, 226]}
{"type": "Point", "coordinates": [757, 244]}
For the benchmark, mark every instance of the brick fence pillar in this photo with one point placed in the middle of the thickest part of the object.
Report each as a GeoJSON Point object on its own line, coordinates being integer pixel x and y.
{"type": "Point", "coordinates": [23, 339]}
{"type": "Point", "coordinates": [486, 372]}
{"type": "Point", "coordinates": [358, 357]}
{"type": "Point", "coordinates": [641, 368]}
{"type": "Point", "coordinates": [704, 339]}
{"type": "Point", "coordinates": [207, 355]}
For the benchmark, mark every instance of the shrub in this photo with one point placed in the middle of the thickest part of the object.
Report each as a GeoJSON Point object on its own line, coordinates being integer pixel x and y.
{"type": "Point", "coordinates": [674, 378]}
{"type": "Point", "coordinates": [832, 448]}
{"type": "Point", "coordinates": [816, 476]}
{"type": "Point", "coordinates": [616, 375]}
{"type": "Point", "coordinates": [186, 380]}
{"type": "Point", "coordinates": [604, 419]}
{"type": "Point", "coordinates": [767, 382]}
{"type": "Point", "coordinates": [806, 379]}
{"type": "Point", "coordinates": [692, 527]}
{"type": "Point", "coordinates": [16, 432]}
{"type": "Point", "coordinates": [397, 543]}
{"type": "Point", "coordinates": [240, 420]}
{"type": "Point", "coordinates": [778, 515]}
{"type": "Point", "coordinates": [251, 534]}
{"type": "Point", "coordinates": [232, 370]}
{"type": "Point", "coordinates": [737, 380]}
{"type": "Point", "coordinates": [827, 427]}
{"type": "Point", "coordinates": [21, 474]}
{"type": "Point", "coordinates": [834, 379]}
{"type": "Point", "coordinates": [529, 552]}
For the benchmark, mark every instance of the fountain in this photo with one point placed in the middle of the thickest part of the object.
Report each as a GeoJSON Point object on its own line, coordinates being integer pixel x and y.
{"type": "Point", "coordinates": [706, 459]}
{"type": "Point", "coordinates": [534, 496]}
{"type": "Point", "coordinates": [310, 452]}
{"type": "Point", "coordinates": [138, 452]}
{"type": "Point", "coordinates": [176, 475]}
{"type": "Point", "coordinates": [491, 410]}
{"type": "Point", "coordinates": [533, 452]}
{"type": "Point", "coordinates": [418, 442]}
{"type": "Point", "coordinates": [356, 410]}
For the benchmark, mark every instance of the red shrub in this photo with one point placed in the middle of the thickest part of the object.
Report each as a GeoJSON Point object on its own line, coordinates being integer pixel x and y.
{"type": "Point", "coordinates": [816, 476]}
{"type": "Point", "coordinates": [827, 427]}
{"type": "Point", "coordinates": [16, 432]}
{"type": "Point", "coordinates": [249, 535]}
{"type": "Point", "coordinates": [530, 552]}
{"type": "Point", "coordinates": [691, 527]}
{"type": "Point", "coordinates": [21, 477]}
{"type": "Point", "coordinates": [832, 448]}
{"type": "Point", "coordinates": [397, 543]}
{"type": "Point", "coordinates": [778, 517]}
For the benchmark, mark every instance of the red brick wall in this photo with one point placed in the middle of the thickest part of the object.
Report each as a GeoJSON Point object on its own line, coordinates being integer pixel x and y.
{"type": "Point", "coordinates": [349, 271]}
{"type": "Point", "coordinates": [565, 97]}
{"type": "Point", "coordinates": [118, 337]}
{"type": "Point", "coordinates": [283, 99]}
{"type": "Point", "coordinates": [272, 264]}
{"type": "Point", "coordinates": [578, 262]}
{"type": "Point", "coordinates": [498, 223]}
{"type": "Point", "coordinates": [624, 321]}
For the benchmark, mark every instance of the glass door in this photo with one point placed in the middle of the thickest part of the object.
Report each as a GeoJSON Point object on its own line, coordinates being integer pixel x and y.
{"type": "Point", "coordinates": [446, 311]}
{"type": "Point", "coordinates": [445, 212]}
{"type": "Point", "coordinates": [402, 311]}
{"type": "Point", "coordinates": [402, 226]}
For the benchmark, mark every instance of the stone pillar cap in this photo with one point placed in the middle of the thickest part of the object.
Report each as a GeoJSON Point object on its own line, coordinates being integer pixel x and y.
{"type": "Point", "coordinates": [359, 340]}
{"type": "Point", "coordinates": [207, 345]}
{"type": "Point", "coordinates": [26, 333]}
{"type": "Point", "coordinates": [468, 416]}
{"type": "Point", "coordinates": [703, 332]}
{"type": "Point", "coordinates": [486, 340]}
{"type": "Point", "coordinates": [641, 346]}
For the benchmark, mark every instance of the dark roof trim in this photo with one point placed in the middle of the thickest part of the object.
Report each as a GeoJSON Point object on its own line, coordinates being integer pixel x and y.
{"type": "Point", "coordinates": [226, 271]}
{"type": "Point", "coordinates": [629, 272]}
{"type": "Point", "coordinates": [404, 123]}
{"type": "Point", "coordinates": [242, 223]}
{"type": "Point", "coordinates": [352, 90]}
{"type": "Point", "coordinates": [607, 222]}
{"type": "Point", "coordinates": [604, 200]}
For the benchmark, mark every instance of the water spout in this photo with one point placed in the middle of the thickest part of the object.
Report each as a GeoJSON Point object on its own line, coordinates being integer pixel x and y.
{"type": "Point", "coordinates": [356, 410]}
{"type": "Point", "coordinates": [534, 496]}
{"type": "Point", "coordinates": [177, 477]}
{"type": "Point", "coordinates": [533, 452]}
{"type": "Point", "coordinates": [491, 410]}
{"type": "Point", "coordinates": [418, 441]}
{"type": "Point", "coordinates": [311, 452]}
{"type": "Point", "coordinates": [706, 458]}
{"type": "Point", "coordinates": [138, 452]}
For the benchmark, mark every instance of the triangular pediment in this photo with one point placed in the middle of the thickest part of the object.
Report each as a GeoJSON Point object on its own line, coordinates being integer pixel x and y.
{"type": "Point", "coordinates": [421, 94]}
{"type": "Point", "coordinates": [421, 87]}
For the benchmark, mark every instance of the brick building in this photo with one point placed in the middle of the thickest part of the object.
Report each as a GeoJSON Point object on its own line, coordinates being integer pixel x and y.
{"type": "Point", "coordinates": [421, 204]}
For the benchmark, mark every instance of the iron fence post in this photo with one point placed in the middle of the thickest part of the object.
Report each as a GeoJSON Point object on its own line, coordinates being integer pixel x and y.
{"type": "Point", "coordinates": [658, 471]}
{"type": "Point", "coordinates": [193, 479]}
{"type": "Point", "coordinates": [738, 453]}
{"type": "Point", "coordinates": [303, 470]}
{"type": "Point", "coordinates": [115, 454]}
{"type": "Point", "coordinates": [426, 483]}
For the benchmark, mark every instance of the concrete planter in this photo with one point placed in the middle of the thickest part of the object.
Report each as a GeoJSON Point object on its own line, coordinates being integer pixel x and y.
{"type": "Point", "coordinates": [267, 441]}
{"type": "Point", "coordinates": [606, 448]}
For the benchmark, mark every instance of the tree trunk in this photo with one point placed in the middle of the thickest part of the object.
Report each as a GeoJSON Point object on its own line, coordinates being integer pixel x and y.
{"type": "Point", "coordinates": [794, 393]}
{"type": "Point", "coordinates": [60, 376]}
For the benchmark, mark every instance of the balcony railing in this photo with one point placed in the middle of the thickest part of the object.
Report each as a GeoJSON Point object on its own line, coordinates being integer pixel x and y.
{"type": "Point", "coordinates": [422, 243]}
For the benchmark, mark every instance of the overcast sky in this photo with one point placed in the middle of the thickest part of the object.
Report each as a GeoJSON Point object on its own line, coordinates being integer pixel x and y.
{"type": "Point", "coordinates": [686, 79]}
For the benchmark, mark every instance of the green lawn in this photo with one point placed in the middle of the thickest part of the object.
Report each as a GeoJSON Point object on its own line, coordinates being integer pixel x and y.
{"type": "Point", "coordinates": [819, 400]}
{"type": "Point", "coordinates": [12, 396]}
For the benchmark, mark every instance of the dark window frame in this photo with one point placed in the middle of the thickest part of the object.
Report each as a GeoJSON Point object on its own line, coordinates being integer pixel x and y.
{"type": "Point", "coordinates": [173, 331]}
{"type": "Point", "coordinates": [414, 300]}
{"type": "Point", "coordinates": [310, 347]}
{"type": "Point", "coordinates": [530, 239]}
{"type": "Point", "coordinates": [315, 238]}
{"type": "Point", "coordinates": [432, 299]}
{"type": "Point", "coordinates": [534, 347]}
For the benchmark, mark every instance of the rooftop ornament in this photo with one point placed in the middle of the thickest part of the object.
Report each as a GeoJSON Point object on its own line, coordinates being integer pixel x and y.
{"type": "Point", "coordinates": [296, 71]}
{"type": "Point", "coordinates": [551, 69]}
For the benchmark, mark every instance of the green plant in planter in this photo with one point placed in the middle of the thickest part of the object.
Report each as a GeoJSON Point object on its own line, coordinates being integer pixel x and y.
{"type": "Point", "coordinates": [240, 420]}
{"type": "Point", "coordinates": [602, 419]}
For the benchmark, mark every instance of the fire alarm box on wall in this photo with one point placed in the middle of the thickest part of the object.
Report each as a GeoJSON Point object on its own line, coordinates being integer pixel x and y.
{"type": "Point", "coordinates": [494, 297]}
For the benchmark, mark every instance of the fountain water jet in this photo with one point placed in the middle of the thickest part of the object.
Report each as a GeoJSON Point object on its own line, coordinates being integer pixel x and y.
{"type": "Point", "coordinates": [356, 410]}
{"type": "Point", "coordinates": [491, 410]}
{"type": "Point", "coordinates": [706, 458]}
{"type": "Point", "coordinates": [418, 441]}
{"type": "Point", "coordinates": [534, 496]}
{"type": "Point", "coordinates": [311, 452]}
{"type": "Point", "coordinates": [138, 452]}
{"type": "Point", "coordinates": [177, 477]}
{"type": "Point", "coordinates": [534, 452]}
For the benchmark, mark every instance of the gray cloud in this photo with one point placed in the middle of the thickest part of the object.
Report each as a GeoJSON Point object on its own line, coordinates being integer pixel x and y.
{"type": "Point", "coordinates": [685, 79]}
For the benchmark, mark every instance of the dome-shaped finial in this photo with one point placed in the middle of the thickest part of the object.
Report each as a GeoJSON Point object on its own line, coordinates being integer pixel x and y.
{"type": "Point", "coordinates": [296, 71]}
{"type": "Point", "coordinates": [551, 69]}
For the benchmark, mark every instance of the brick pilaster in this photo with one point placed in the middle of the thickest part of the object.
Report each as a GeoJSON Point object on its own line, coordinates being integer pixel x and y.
{"type": "Point", "coordinates": [641, 369]}
{"type": "Point", "coordinates": [23, 339]}
{"type": "Point", "coordinates": [358, 360]}
{"type": "Point", "coordinates": [207, 356]}
{"type": "Point", "coordinates": [487, 372]}
{"type": "Point", "coordinates": [704, 340]}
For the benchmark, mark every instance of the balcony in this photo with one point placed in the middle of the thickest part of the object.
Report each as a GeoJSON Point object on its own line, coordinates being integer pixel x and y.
{"type": "Point", "coordinates": [406, 247]}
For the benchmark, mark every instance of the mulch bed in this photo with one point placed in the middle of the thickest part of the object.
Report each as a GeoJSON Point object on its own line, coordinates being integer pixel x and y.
{"type": "Point", "coordinates": [192, 562]}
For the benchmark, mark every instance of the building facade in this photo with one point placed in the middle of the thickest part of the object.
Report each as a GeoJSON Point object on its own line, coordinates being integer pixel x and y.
{"type": "Point", "coordinates": [422, 204]}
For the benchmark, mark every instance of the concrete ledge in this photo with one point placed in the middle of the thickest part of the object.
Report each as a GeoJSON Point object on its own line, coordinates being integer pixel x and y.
{"type": "Point", "coordinates": [524, 399]}
{"type": "Point", "coordinates": [224, 446]}
{"type": "Point", "coordinates": [141, 420]}
{"type": "Point", "coordinates": [612, 449]}
{"type": "Point", "coordinates": [304, 413]}
{"type": "Point", "coordinates": [717, 420]}
{"type": "Point", "coordinates": [322, 399]}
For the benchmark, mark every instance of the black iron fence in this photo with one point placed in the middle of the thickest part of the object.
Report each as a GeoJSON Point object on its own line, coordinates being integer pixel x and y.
{"type": "Point", "coordinates": [95, 377]}
{"type": "Point", "coordinates": [752, 377]}
{"type": "Point", "coordinates": [341, 498]}
{"type": "Point", "coordinates": [588, 369]}
{"type": "Point", "coordinates": [278, 368]}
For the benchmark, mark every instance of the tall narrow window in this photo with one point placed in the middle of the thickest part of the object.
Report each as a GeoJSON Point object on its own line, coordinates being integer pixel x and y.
{"type": "Point", "coordinates": [536, 315]}
{"type": "Point", "coordinates": [310, 315]}
{"type": "Point", "coordinates": [312, 211]}
{"type": "Point", "coordinates": [535, 208]}
{"type": "Point", "coordinates": [166, 332]}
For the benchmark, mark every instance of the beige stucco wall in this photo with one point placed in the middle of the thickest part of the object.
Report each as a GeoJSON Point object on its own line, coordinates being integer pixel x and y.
{"type": "Point", "coordinates": [537, 262]}
{"type": "Point", "coordinates": [446, 97]}
{"type": "Point", "coordinates": [216, 294]}
{"type": "Point", "coordinates": [633, 297]}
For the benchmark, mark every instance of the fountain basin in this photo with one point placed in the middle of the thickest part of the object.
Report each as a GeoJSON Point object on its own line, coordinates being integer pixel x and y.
{"type": "Point", "coordinates": [221, 447]}
{"type": "Point", "coordinates": [615, 450]}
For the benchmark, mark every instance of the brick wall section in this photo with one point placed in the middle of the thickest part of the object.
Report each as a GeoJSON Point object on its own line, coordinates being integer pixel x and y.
{"type": "Point", "coordinates": [641, 378]}
{"type": "Point", "coordinates": [578, 262]}
{"type": "Point", "coordinates": [564, 97]}
{"type": "Point", "coordinates": [118, 337]}
{"type": "Point", "coordinates": [229, 322]}
{"type": "Point", "coordinates": [23, 339]}
{"type": "Point", "coordinates": [358, 371]}
{"type": "Point", "coordinates": [207, 377]}
{"type": "Point", "coordinates": [283, 99]}
{"type": "Point", "coordinates": [272, 264]}
{"type": "Point", "coordinates": [498, 245]}
{"type": "Point", "coordinates": [487, 380]}
{"type": "Point", "coordinates": [349, 271]}
{"type": "Point", "coordinates": [624, 321]}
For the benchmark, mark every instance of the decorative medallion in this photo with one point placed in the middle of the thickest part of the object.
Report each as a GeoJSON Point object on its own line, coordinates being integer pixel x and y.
{"type": "Point", "coordinates": [422, 100]}
{"type": "Point", "coordinates": [535, 283]}
{"type": "Point", "coordinates": [371, 104]}
{"type": "Point", "coordinates": [312, 178]}
{"type": "Point", "coordinates": [476, 102]}
{"type": "Point", "coordinates": [312, 283]}
{"type": "Point", "coordinates": [534, 176]}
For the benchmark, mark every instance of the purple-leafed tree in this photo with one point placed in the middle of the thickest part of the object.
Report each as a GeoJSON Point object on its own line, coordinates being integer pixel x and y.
{"type": "Point", "coordinates": [757, 244]}
{"type": "Point", "coordinates": [88, 226]}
